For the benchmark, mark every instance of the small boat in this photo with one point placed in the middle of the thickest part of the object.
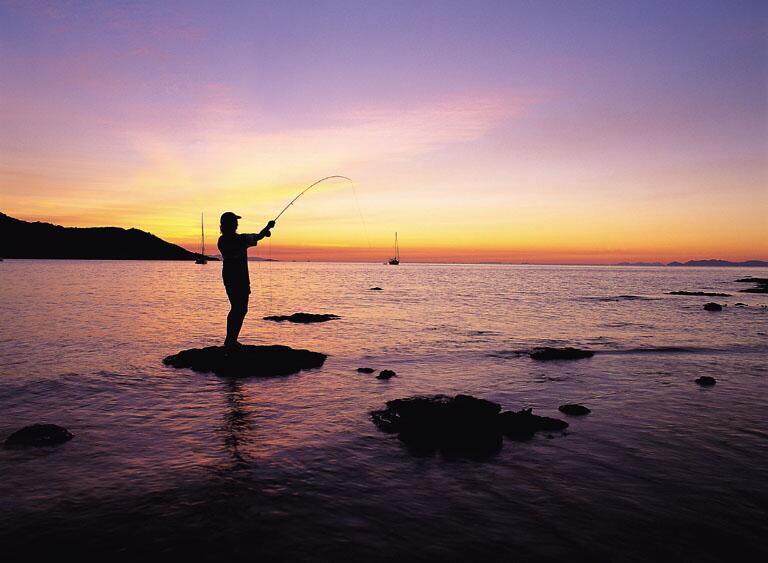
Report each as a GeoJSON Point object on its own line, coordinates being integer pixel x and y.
{"type": "Point", "coordinates": [202, 259]}
{"type": "Point", "coordinates": [395, 260]}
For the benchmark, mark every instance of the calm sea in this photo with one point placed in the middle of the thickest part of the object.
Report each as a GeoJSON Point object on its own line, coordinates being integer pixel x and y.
{"type": "Point", "coordinates": [169, 462]}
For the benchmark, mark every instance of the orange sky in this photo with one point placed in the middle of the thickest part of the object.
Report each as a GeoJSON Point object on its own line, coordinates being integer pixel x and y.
{"type": "Point", "coordinates": [525, 135]}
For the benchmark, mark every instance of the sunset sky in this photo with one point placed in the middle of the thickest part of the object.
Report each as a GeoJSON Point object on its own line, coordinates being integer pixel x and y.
{"type": "Point", "coordinates": [544, 132]}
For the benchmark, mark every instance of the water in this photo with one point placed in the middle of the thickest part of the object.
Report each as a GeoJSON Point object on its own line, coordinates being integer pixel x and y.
{"type": "Point", "coordinates": [168, 462]}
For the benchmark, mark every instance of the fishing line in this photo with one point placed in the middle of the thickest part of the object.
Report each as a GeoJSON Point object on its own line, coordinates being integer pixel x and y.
{"type": "Point", "coordinates": [360, 214]}
{"type": "Point", "coordinates": [305, 190]}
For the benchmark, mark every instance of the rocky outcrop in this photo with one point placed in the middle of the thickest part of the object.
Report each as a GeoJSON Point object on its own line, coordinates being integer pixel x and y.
{"type": "Point", "coordinates": [462, 425]}
{"type": "Point", "coordinates": [386, 374]}
{"type": "Point", "coordinates": [761, 285]}
{"type": "Point", "coordinates": [303, 318]}
{"type": "Point", "coordinates": [365, 370]}
{"type": "Point", "coordinates": [522, 425]}
{"type": "Point", "coordinates": [548, 354]}
{"type": "Point", "coordinates": [574, 409]}
{"type": "Point", "coordinates": [713, 307]}
{"type": "Point", "coordinates": [701, 293]}
{"type": "Point", "coordinates": [39, 435]}
{"type": "Point", "coordinates": [706, 381]}
{"type": "Point", "coordinates": [247, 361]}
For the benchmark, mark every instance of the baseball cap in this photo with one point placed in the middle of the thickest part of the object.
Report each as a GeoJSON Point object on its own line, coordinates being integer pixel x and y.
{"type": "Point", "coordinates": [228, 216]}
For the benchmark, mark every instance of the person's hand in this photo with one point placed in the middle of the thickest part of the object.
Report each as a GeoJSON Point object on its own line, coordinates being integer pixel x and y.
{"type": "Point", "coordinates": [270, 225]}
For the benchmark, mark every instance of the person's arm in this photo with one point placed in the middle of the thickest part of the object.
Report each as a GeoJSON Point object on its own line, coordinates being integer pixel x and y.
{"type": "Point", "coordinates": [253, 238]}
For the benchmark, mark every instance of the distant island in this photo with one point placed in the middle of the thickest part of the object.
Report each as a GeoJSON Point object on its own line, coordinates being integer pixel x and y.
{"type": "Point", "coordinates": [704, 263]}
{"type": "Point", "coordinates": [722, 264]}
{"type": "Point", "coordinates": [23, 239]}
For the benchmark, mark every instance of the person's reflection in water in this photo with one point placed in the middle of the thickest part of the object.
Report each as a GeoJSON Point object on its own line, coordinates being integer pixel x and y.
{"type": "Point", "coordinates": [234, 251]}
{"type": "Point", "coordinates": [236, 421]}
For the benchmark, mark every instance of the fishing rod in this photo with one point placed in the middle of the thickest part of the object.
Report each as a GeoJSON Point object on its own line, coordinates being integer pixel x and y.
{"type": "Point", "coordinates": [306, 190]}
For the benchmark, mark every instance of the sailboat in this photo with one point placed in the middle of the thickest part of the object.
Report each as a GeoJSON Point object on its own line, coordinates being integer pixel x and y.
{"type": "Point", "coordinates": [202, 259]}
{"type": "Point", "coordinates": [395, 260]}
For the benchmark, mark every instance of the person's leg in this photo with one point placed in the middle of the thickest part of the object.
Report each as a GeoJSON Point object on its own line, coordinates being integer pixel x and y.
{"type": "Point", "coordinates": [238, 301]}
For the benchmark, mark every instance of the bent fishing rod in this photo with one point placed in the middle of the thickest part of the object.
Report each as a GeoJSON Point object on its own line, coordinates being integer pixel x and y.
{"type": "Point", "coordinates": [306, 190]}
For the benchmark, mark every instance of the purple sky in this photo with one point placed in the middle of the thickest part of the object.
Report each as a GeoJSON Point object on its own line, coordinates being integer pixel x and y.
{"type": "Point", "coordinates": [567, 129]}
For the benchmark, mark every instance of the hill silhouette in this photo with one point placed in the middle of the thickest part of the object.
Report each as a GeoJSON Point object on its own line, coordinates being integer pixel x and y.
{"type": "Point", "coordinates": [22, 239]}
{"type": "Point", "coordinates": [722, 263]}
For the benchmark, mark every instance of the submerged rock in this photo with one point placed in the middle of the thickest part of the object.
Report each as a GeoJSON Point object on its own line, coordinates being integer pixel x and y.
{"type": "Point", "coordinates": [523, 424]}
{"type": "Point", "coordinates": [39, 435]}
{"type": "Point", "coordinates": [247, 361]}
{"type": "Point", "coordinates": [547, 354]}
{"type": "Point", "coordinates": [303, 318]}
{"type": "Point", "coordinates": [461, 425]}
{"type": "Point", "coordinates": [713, 307]}
{"type": "Point", "coordinates": [365, 370]}
{"type": "Point", "coordinates": [386, 374]}
{"type": "Point", "coordinates": [706, 381]}
{"type": "Point", "coordinates": [702, 293]}
{"type": "Point", "coordinates": [761, 285]}
{"type": "Point", "coordinates": [574, 409]}
{"type": "Point", "coordinates": [757, 289]}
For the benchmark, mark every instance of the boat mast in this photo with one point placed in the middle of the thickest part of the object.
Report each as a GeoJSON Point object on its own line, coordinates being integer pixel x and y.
{"type": "Point", "coordinates": [202, 234]}
{"type": "Point", "coordinates": [397, 248]}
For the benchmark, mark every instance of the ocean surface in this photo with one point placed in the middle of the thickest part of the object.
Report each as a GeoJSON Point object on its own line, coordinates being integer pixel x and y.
{"type": "Point", "coordinates": [169, 462]}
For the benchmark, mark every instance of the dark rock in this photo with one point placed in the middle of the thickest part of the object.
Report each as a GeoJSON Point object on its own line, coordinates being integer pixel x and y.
{"type": "Point", "coordinates": [574, 409]}
{"type": "Point", "coordinates": [547, 354]}
{"type": "Point", "coordinates": [247, 361]}
{"type": "Point", "coordinates": [741, 305]}
{"type": "Point", "coordinates": [713, 307]}
{"type": "Point", "coordinates": [376, 289]}
{"type": "Point", "coordinates": [758, 289]}
{"type": "Point", "coordinates": [706, 381]}
{"type": "Point", "coordinates": [703, 293]}
{"type": "Point", "coordinates": [303, 318]}
{"type": "Point", "coordinates": [386, 374]}
{"type": "Point", "coordinates": [761, 285]}
{"type": "Point", "coordinates": [522, 425]}
{"type": "Point", "coordinates": [365, 370]}
{"type": "Point", "coordinates": [39, 435]}
{"type": "Point", "coordinates": [460, 425]}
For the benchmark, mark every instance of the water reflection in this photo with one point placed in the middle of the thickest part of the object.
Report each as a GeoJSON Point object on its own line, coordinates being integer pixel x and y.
{"type": "Point", "coordinates": [237, 422]}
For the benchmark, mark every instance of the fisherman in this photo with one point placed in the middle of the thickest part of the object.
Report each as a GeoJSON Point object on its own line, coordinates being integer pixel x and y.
{"type": "Point", "coordinates": [234, 251]}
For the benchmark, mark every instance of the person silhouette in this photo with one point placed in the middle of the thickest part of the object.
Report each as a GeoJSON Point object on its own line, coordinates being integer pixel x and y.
{"type": "Point", "coordinates": [234, 251]}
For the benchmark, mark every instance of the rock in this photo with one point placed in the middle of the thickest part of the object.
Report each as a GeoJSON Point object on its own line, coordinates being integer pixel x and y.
{"type": "Point", "coordinates": [713, 307]}
{"type": "Point", "coordinates": [761, 285]}
{"type": "Point", "coordinates": [247, 361]}
{"type": "Point", "coordinates": [522, 425]}
{"type": "Point", "coordinates": [39, 435]}
{"type": "Point", "coordinates": [547, 354]}
{"type": "Point", "coordinates": [365, 370]}
{"type": "Point", "coordinates": [758, 289]}
{"type": "Point", "coordinates": [386, 374]}
{"type": "Point", "coordinates": [574, 409]}
{"type": "Point", "coordinates": [706, 381]}
{"type": "Point", "coordinates": [375, 289]}
{"type": "Point", "coordinates": [303, 318]}
{"type": "Point", "coordinates": [461, 425]}
{"type": "Point", "coordinates": [702, 293]}
{"type": "Point", "coordinates": [740, 305]}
